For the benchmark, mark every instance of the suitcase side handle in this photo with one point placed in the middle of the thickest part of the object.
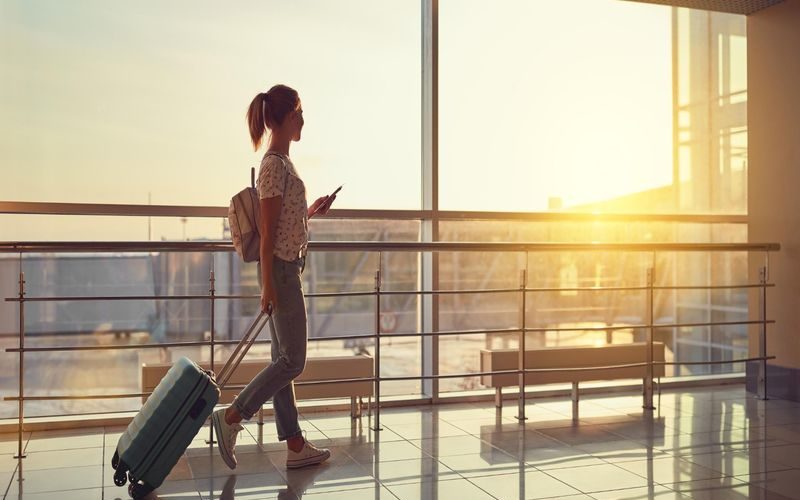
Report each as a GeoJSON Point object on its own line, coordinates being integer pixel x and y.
{"type": "Point", "coordinates": [242, 347]}
{"type": "Point", "coordinates": [197, 409]}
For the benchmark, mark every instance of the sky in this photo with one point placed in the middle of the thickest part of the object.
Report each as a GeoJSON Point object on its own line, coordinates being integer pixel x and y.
{"type": "Point", "coordinates": [123, 102]}
{"type": "Point", "coordinates": [567, 99]}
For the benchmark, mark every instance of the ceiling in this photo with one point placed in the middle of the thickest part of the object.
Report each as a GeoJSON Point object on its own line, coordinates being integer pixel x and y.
{"type": "Point", "coordinates": [731, 6]}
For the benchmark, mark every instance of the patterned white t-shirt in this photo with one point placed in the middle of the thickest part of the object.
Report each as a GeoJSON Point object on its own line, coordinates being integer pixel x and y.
{"type": "Point", "coordinates": [278, 177]}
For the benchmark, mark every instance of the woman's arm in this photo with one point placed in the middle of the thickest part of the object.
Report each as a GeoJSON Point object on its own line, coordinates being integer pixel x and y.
{"type": "Point", "coordinates": [321, 206]}
{"type": "Point", "coordinates": [270, 211]}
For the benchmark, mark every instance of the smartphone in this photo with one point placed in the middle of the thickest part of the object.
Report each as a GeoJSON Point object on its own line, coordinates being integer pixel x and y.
{"type": "Point", "coordinates": [337, 190]}
{"type": "Point", "coordinates": [329, 197]}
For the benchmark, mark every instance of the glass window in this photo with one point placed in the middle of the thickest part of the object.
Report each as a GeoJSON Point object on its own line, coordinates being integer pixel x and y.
{"type": "Point", "coordinates": [137, 321]}
{"type": "Point", "coordinates": [711, 66]}
{"type": "Point", "coordinates": [618, 310]}
{"type": "Point", "coordinates": [550, 105]}
{"type": "Point", "coordinates": [130, 102]}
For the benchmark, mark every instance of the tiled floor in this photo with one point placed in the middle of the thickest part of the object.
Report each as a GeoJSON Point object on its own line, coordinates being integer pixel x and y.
{"type": "Point", "coordinates": [712, 443]}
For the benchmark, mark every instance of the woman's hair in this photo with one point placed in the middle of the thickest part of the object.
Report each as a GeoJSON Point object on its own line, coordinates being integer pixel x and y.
{"type": "Point", "coordinates": [269, 109]}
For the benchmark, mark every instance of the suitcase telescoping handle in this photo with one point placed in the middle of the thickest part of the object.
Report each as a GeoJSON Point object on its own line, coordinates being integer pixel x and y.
{"type": "Point", "coordinates": [241, 349]}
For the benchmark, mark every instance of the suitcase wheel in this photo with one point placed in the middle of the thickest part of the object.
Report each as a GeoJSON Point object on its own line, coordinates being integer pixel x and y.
{"type": "Point", "coordinates": [138, 491]}
{"type": "Point", "coordinates": [115, 460]}
{"type": "Point", "coordinates": [120, 478]}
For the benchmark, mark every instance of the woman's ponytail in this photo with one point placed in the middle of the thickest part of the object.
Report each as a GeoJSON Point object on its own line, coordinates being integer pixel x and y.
{"type": "Point", "coordinates": [269, 109]}
{"type": "Point", "coordinates": [255, 119]}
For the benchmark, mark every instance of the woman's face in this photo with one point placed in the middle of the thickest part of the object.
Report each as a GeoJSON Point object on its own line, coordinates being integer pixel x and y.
{"type": "Point", "coordinates": [296, 123]}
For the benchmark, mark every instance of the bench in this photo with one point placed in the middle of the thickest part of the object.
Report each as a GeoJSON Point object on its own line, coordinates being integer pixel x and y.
{"type": "Point", "coordinates": [317, 369]}
{"type": "Point", "coordinates": [568, 357]}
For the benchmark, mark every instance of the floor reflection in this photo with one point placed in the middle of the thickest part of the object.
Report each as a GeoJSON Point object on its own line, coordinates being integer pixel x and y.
{"type": "Point", "coordinates": [705, 443]}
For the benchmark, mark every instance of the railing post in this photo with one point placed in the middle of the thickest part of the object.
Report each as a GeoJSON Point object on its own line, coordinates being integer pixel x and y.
{"type": "Point", "coordinates": [647, 404]}
{"type": "Point", "coordinates": [762, 334]}
{"type": "Point", "coordinates": [521, 357]}
{"type": "Point", "coordinates": [212, 290]}
{"type": "Point", "coordinates": [377, 383]}
{"type": "Point", "coordinates": [19, 454]}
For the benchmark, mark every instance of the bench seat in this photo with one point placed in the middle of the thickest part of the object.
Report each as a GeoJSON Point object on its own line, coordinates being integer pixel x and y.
{"type": "Point", "coordinates": [318, 368]}
{"type": "Point", "coordinates": [569, 357]}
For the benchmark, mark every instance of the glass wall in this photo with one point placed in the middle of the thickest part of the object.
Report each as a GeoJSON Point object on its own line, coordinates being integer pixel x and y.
{"type": "Point", "coordinates": [564, 104]}
{"type": "Point", "coordinates": [710, 54]}
{"type": "Point", "coordinates": [574, 310]}
{"type": "Point", "coordinates": [585, 106]}
{"type": "Point", "coordinates": [9, 328]}
{"type": "Point", "coordinates": [107, 323]}
{"type": "Point", "coordinates": [591, 106]}
{"type": "Point", "coordinates": [143, 103]}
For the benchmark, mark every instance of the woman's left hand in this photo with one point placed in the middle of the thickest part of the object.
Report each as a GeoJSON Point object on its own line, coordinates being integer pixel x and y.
{"type": "Point", "coordinates": [321, 206]}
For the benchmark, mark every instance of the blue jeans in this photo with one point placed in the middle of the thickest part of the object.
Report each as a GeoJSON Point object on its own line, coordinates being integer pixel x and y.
{"type": "Point", "coordinates": [288, 330]}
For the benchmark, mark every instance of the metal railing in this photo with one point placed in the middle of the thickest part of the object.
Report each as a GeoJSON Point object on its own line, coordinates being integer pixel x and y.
{"type": "Point", "coordinates": [123, 210]}
{"type": "Point", "coordinates": [380, 248]}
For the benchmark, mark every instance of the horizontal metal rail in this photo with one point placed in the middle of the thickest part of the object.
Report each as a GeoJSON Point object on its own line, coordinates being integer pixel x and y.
{"type": "Point", "coordinates": [639, 288]}
{"type": "Point", "coordinates": [449, 292]}
{"type": "Point", "coordinates": [445, 333]}
{"type": "Point", "coordinates": [715, 287]}
{"type": "Point", "coordinates": [390, 336]}
{"type": "Point", "coordinates": [585, 328]}
{"type": "Point", "coordinates": [78, 398]}
{"type": "Point", "coordinates": [142, 394]}
{"type": "Point", "coordinates": [43, 208]}
{"type": "Point", "coordinates": [104, 298]}
{"type": "Point", "coordinates": [87, 298]}
{"type": "Point", "coordinates": [136, 210]}
{"type": "Point", "coordinates": [204, 343]}
{"type": "Point", "coordinates": [718, 362]}
{"type": "Point", "coordinates": [108, 347]}
{"type": "Point", "coordinates": [370, 246]}
{"type": "Point", "coordinates": [401, 378]}
{"type": "Point", "coordinates": [717, 323]}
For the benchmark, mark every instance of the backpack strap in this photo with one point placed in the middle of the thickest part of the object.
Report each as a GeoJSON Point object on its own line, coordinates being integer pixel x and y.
{"type": "Point", "coordinates": [285, 181]}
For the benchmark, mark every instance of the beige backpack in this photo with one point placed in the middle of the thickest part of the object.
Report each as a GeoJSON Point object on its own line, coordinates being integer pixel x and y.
{"type": "Point", "coordinates": [244, 218]}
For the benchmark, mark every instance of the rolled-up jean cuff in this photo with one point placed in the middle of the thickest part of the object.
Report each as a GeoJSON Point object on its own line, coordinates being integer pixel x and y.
{"type": "Point", "coordinates": [296, 433]}
{"type": "Point", "coordinates": [244, 413]}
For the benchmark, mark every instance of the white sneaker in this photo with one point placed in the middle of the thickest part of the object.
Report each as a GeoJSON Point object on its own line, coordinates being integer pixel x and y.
{"type": "Point", "coordinates": [226, 437]}
{"type": "Point", "coordinates": [308, 455]}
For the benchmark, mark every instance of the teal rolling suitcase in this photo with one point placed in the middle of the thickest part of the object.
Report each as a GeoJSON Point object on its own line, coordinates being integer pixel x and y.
{"type": "Point", "coordinates": [170, 418]}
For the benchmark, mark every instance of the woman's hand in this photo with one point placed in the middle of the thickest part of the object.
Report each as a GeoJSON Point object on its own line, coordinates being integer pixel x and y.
{"type": "Point", "coordinates": [268, 299]}
{"type": "Point", "coordinates": [321, 206]}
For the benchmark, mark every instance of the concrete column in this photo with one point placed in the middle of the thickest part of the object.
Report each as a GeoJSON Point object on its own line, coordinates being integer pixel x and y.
{"type": "Point", "coordinates": [773, 73]}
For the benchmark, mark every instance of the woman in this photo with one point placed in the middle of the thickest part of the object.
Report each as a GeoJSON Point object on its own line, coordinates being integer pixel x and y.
{"type": "Point", "coordinates": [284, 237]}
